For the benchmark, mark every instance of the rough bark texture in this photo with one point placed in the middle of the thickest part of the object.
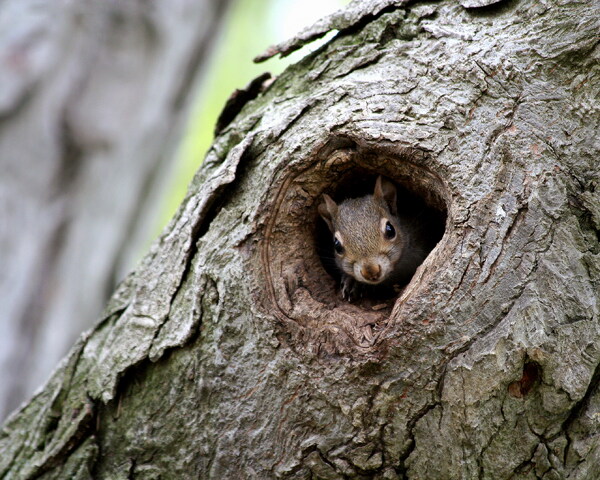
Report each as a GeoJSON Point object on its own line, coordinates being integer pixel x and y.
{"type": "Point", "coordinates": [228, 354]}
{"type": "Point", "coordinates": [92, 96]}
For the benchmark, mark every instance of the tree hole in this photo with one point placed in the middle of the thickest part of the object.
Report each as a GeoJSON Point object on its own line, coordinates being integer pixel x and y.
{"type": "Point", "coordinates": [301, 279]}
{"type": "Point", "coordinates": [532, 373]}
{"type": "Point", "coordinates": [425, 221]}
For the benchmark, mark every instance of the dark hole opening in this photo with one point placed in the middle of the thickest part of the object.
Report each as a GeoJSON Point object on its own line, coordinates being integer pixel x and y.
{"type": "Point", "coordinates": [423, 212]}
{"type": "Point", "coordinates": [532, 373]}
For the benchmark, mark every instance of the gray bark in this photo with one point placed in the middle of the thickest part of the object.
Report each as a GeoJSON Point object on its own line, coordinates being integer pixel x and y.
{"type": "Point", "coordinates": [92, 97]}
{"type": "Point", "coordinates": [229, 354]}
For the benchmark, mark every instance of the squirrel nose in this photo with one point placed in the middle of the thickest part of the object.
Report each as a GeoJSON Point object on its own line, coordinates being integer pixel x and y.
{"type": "Point", "coordinates": [371, 272]}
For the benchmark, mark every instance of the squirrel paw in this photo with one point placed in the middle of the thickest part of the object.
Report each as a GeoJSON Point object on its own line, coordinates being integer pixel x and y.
{"type": "Point", "coordinates": [350, 289]}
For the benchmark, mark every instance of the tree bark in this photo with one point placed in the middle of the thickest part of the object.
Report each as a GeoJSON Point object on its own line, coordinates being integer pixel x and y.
{"type": "Point", "coordinates": [229, 354]}
{"type": "Point", "coordinates": [92, 98]}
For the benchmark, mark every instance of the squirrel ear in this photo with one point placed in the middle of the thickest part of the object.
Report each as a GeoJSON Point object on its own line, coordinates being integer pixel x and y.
{"type": "Point", "coordinates": [328, 211]}
{"type": "Point", "coordinates": [386, 191]}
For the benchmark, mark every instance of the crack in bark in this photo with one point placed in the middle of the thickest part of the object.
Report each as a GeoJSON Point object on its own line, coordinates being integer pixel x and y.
{"type": "Point", "coordinates": [578, 408]}
{"type": "Point", "coordinates": [364, 62]}
{"type": "Point", "coordinates": [239, 98]}
{"type": "Point", "coordinates": [411, 436]}
{"type": "Point", "coordinates": [131, 471]}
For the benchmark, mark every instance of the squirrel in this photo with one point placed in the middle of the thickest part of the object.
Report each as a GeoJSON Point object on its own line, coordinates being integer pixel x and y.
{"type": "Point", "coordinates": [373, 244]}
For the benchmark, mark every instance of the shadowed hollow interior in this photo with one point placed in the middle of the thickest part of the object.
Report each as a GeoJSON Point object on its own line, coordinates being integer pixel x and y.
{"type": "Point", "coordinates": [418, 209]}
{"type": "Point", "coordinates": [299, 283]}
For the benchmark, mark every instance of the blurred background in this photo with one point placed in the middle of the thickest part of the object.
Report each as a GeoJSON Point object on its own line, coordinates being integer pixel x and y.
{"type": "Point", "coordinates": [106, 112]}
{"type": "Point", "coordinates": [249, 27]}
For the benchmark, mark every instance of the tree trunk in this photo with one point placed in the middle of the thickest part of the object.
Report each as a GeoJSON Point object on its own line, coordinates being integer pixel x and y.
{"type": "Point", "coordinates": [229, 354]}
{"type": "Point", "coordinates": [92, 98]}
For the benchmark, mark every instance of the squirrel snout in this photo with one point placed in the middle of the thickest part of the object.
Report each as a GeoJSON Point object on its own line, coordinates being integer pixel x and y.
{"type": "Point", "coordinates": [371, 272]}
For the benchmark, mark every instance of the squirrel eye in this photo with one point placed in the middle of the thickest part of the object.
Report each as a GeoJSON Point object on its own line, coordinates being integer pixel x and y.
{"type": "Point", "coordinates": [337, 246]}
{"type": "Point", "coordinates": [390, 231]}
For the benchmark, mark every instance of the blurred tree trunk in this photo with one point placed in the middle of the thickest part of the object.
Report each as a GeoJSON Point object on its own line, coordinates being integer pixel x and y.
{"type": "Point", "coordinates": [92, 99]}
{"type": "Point", "coordinates": [228, 354]}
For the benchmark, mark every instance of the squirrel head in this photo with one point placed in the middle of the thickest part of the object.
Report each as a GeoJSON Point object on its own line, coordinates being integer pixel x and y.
{"type": "Point", "coordinates": [367, 234]}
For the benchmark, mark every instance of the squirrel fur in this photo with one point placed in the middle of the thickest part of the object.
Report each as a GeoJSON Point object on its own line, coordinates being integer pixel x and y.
{"type": "Point", "coordinates": [372, 244]}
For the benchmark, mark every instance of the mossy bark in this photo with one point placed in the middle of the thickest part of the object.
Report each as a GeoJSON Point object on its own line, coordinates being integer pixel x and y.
{"type": "Point", "coordinates": [228, 353]}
